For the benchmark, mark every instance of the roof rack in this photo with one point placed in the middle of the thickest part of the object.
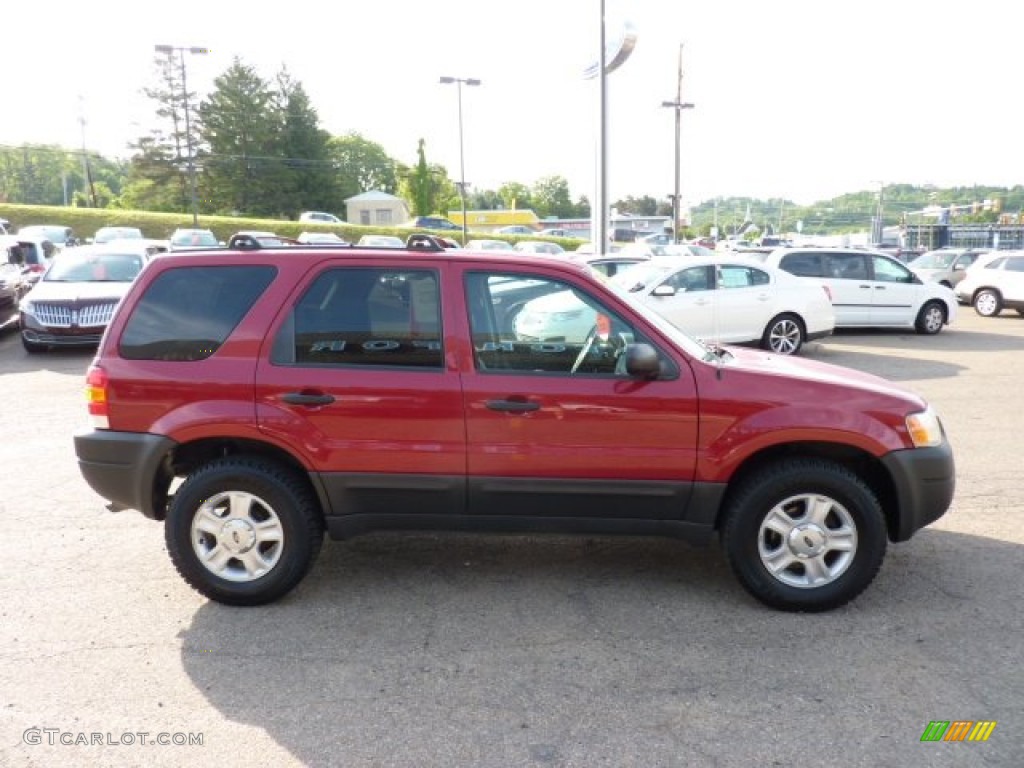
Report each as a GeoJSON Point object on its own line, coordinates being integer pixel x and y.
{"type": "Point", "coordinates": [417, 242]}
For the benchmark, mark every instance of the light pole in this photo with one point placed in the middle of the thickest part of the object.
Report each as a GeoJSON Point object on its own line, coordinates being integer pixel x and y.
{"type": "Point", "coordinates": [459, 82]}
{"type": "Point", "coordinates": [170, 50]}
{"type": "Point", "coordinates": [678, 105]}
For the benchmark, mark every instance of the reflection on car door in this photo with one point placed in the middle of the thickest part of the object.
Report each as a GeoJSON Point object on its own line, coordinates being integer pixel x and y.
{"type": "Point", "coordinates": [846, 275]}
{"type": "Point", "coordinates": [549, 423]}
{"type": "Point", "coordinates": [894, 291]}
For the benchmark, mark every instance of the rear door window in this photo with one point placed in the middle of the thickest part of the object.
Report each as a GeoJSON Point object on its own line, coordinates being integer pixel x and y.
{"type": "Point", "coordinates": [187, 313]}
{"type": "Point", "coordinates": [802, 264]}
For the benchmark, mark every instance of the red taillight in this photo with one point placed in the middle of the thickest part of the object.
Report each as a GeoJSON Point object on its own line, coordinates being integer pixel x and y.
{"type": "Point", "coordinates": [96, 396]}
{"type": "Point", "coordinates": [36, 268]}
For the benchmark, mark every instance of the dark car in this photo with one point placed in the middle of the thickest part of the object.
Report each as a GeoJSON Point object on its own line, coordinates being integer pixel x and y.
{"type": "Point", "coordinates": [13, 283]}
{"type": "Point", "coordinates": [432, 222]}
{"type": "Point", "coordinates": [73, 302]}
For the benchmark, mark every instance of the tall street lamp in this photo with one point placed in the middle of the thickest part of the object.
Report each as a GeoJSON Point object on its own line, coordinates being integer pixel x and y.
{"type": "Point", "coordinates": [170, 50]}
{"type": "Point", "coordinates": [678, 105]}
{"type": "Point", "coordinates": [459, 82]}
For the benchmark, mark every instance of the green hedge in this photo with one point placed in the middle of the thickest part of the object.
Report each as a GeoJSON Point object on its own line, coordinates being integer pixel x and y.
{"type": "Point", "coordinates": [85, 222]}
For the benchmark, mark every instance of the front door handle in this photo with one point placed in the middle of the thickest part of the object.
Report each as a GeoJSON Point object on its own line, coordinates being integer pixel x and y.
{"type": "Point", "coordinates": [307, 398]}
{"type": "Point", "coordinates": [513, 406]}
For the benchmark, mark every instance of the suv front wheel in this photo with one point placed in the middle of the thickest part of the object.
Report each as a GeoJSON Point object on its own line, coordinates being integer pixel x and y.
{"type": "Point", "coordinates": [804, 535]}
{"type": "Point", "coordinates": [243, 530]}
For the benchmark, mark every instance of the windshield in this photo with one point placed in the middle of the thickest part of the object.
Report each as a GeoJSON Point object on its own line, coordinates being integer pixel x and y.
{"type": "Point", "coordinates": [94, 268]}
{"type": "Point", "coordinates": [935, 260]}
{"type": "Point", "coordinates": [56, 235]}
{"type": "Point", "coordinates": [639, 276]}
{"type": "Point", "coordinates": [194, 238]}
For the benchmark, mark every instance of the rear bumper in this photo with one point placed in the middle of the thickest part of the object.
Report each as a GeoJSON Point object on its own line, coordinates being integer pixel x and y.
{"type": "Point", "coordinates": [122, 467]}
{"type": "Point", "coordinates": [925, 479]}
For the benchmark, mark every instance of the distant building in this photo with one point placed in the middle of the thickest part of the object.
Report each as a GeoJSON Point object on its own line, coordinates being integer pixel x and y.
{"type": "Point", "coordinates": [376, 208]}
{"type": "Point", "coordinates": [491, 221]}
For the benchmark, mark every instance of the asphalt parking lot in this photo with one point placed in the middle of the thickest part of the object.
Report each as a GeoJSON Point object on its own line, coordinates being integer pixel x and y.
{"type": "Point", "coordinates": [423, 650]}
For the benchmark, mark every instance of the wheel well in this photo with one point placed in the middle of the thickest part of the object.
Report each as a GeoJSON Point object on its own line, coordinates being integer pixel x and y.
{"type": "Point", "coordinates": [187, 457]}
{"type": "Point", "coordinates": [862, 464]}
{"type": "Point", "coordinates": [974, 296]}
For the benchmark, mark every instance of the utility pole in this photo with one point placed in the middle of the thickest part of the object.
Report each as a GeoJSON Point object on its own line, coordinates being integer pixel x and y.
{"type": "Point", "coordinates": [678, 105]}
{"type": "Point", "coordinates": [86, 168]}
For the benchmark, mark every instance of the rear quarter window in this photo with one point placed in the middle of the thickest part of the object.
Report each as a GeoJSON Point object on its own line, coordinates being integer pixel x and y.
{"type": "Point", "coordinates": [186, 313]}
{"type": "Point", "coordinates": [802, 264]}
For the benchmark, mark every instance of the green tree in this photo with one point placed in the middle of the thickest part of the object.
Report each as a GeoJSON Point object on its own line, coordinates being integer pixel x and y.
{"type": "Point", "coordinates": [550, 197]}
{"type": "Point", "coordinates": [307, 179]}
{"type": "Point", "coordinates": [422, 187]}
{"type": "Point", "coordinates": [515, 196]}
{"type": "Point", "coordinates": [239, 124]}
{"type": "Point", "coordinates": [362, 165]}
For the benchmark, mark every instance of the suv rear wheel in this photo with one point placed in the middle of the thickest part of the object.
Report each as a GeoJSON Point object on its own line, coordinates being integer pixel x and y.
{"type": "Point", "coordinates": [804, 535]}
{"type": "Point", "coordinates": [243, 530]}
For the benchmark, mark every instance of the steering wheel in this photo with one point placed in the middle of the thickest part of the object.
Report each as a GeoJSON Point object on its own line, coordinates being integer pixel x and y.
{"type": "Point", "coordinates": [588, 345]}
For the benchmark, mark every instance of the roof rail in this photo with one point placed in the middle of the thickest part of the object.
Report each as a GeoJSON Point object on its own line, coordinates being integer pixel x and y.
{"type": "Point", "coordinates": [422, 242]}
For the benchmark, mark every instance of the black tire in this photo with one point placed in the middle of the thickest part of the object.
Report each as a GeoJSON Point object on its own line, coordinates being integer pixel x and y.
{"type": "Point", "coordinates": [784, 335]}
{"type": "Point", "coordinates": [277, 503]}
{"type": "Point", "coordinates": [775, 490]}
{"type": "Point", "coordinates": [987, 302]}
{"type": "Point", "coordinates": [931, 318]}
{"type": "Point", "coordinates": [31, 347]}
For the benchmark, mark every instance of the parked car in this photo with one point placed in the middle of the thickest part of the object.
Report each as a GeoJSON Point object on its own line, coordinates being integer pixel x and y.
{"type": "Point", "coordinates": [432, 222]}
{"type": "Point", "coordinates": [870, 288]}
{"type": "Point", "coordinates": [381, 241]}
{"type": "Point", "coordinates": [515, 229]}
{"type": "Point", "coordinates": [993, 283]}
{"type": "Point", "coordinates": [61, 236]}
{"type": "Point", "coordinates": [106, 234]}
{"type": "Point", "coordinates": [344, 404]}
{"type": "Point", "coordinates": [256, 238]}
{"type": "Point", "coordinates": [729, 301]}
{"type": "Point", "coordinates": [322, 238]}
{"type": "Point", "coordinates": [13, 284]}
{"type": "Point", "coordinates": [559, 232]}
{"type": "Point", "coordinates": [75, 299]}
{"type": "Point", "coordinates": [186, 238]}
{"type": "Point", "coordinates": [538, 246]}
{"type": "Point", "coordinates": [319, 217]}
{"type": "Point", "coordinates": [946, 265]}
{"type": "Point", "coordinates": [34, 253]}
{"type": "Point", "coordinates": [489, 245]}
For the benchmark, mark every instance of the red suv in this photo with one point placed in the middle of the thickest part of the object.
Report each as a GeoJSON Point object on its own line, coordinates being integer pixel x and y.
{"type": "Point", "coordinates": [254, 399]}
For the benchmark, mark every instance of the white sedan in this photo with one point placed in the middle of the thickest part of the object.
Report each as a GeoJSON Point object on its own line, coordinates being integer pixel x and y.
{"type": "Point", "coordinates": [715, 299]}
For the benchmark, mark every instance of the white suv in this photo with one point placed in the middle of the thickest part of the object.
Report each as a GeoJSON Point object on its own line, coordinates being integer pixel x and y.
{"type": "Point", "coordinates": [320, 217]}
{"type": "Point", "coordinates": [870, 288]}
{"type": "Point", "coordinates": [994, 282]}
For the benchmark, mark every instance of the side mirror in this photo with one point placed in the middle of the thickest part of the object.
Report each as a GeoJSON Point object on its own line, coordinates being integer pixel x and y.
{"type": "Point", "coordinates": [642, 361]}
{"type": "Point", "coordinates": [664, 290]}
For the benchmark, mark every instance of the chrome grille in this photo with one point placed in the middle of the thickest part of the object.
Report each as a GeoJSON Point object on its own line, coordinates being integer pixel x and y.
{"type": "Point", "coordinates": [89, 316]}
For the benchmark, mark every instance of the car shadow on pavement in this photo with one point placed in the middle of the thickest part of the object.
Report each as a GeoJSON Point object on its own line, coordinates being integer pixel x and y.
{"type": "Point", "coordinates": [493, 651]}
{"type": "Point", "coordinates": [952, 338]}
{"type": "Point", "coordinates": [14, 359]}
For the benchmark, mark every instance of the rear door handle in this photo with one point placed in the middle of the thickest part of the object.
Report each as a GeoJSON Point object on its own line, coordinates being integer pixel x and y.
{"type": "Point", "coordinates": [307, 398]}
{"type": "Point", "coordinates": [513, 406]}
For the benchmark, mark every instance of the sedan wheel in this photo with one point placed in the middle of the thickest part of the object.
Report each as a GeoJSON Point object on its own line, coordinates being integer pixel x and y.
{"type": "Point", "coordinates": [988, 303]}
{"type": "Point", "coordinates": [784, 335]}
{"type": "Point", "coordinates": [804, 535]}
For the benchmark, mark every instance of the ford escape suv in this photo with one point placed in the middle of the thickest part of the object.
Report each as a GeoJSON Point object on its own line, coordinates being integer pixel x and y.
{"type": "Point", "coordinates": [254, 400]}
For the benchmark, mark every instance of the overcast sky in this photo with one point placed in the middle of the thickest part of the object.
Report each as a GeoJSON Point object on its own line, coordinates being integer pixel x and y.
{"type": "Point", "coordinates": [796, 98]}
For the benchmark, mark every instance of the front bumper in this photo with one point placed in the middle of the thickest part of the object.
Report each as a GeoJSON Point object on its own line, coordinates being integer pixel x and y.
{"type": "Point", "coordinates": [122, 467]}
{"type": "Point", "coordinates": [925, 479]}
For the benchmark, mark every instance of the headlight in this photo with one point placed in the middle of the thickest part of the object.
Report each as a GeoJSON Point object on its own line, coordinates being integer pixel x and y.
{"type": "Point", "coordinates": [925, 429]}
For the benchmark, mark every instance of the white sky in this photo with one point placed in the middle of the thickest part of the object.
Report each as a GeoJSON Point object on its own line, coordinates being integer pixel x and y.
{"type": "Point", "coordinates": [804, 99]}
